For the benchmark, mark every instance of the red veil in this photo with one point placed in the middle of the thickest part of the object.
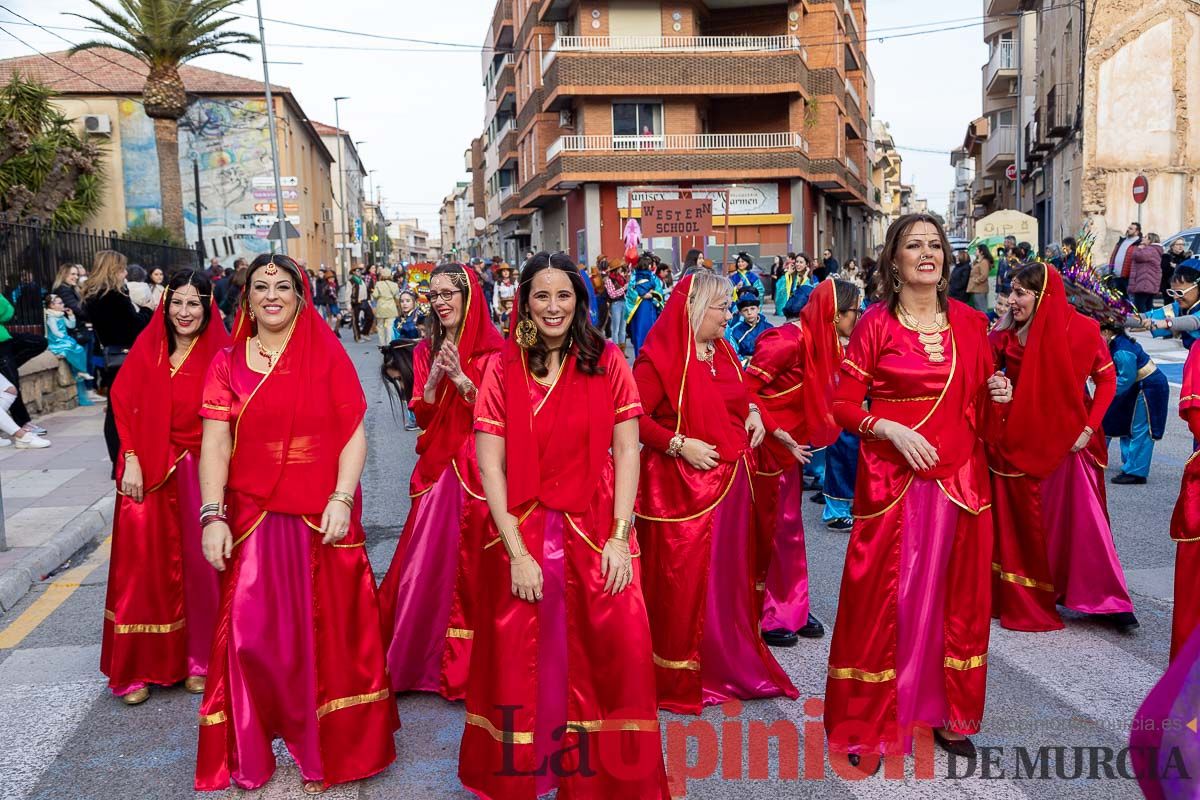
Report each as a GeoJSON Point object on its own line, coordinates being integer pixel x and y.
{"type": "Point", "coordinates": [671, 349]}
{"type": "Point", "coordinates": [1049, 406]}
{"type": "Point", "coordinates": [445, 433]}
{"type": "Point", "coordinates": [822, 361]}
{"type": "Point", "coordinates": [293, 428]}
{"type": "Point", "coordinates": [142, 393]}
{"type": "Point", "coordinates": [538, 464]}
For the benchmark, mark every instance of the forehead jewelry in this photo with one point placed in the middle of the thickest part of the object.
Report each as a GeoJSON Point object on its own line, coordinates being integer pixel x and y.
{"type": "Point", "coordinates": [271, 269]}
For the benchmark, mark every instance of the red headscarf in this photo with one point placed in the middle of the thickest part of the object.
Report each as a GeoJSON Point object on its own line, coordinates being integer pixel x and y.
{"type": "Point", "coordinates": [142, 394]}
{"type": "Point", "coordinates": [671, 349]}
{"type": "Point", "coordinates": [451, 423]}
{"type": "Point", "coordinates": [1049, 407]}
{"type": "Point", "coordinates": [544, 464]}
{"type": "Point", "coordinates": [822, 362]}
{"type": "Point", "coordinates": [293, 428]}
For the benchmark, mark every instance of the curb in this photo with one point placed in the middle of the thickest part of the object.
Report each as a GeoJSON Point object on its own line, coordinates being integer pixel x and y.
{"type": "Point", "coordinates": [90, 524]}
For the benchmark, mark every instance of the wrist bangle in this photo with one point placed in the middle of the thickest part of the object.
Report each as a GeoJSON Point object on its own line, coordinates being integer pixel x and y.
{"type": "Point", "coordinates": [620, 530]}
{"type": "Point", "coordinates": [343, 497]}
{"type": "Point", "coordinates": [676, 446]}
{"type": "Point", "coordinates": [128, 454]}
{"type": "Point", "coordinates": [515, 552]}
{"type": "Point", "coordinates": [211, 519]}
{"type": "Point", "coordinates": [1089, 430]}
{"type": "Point", "coordinates": [754, 408]}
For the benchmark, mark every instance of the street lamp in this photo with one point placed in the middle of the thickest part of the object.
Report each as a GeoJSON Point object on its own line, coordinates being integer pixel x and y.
{"type": "Point", "coordinates": [337, 123]}
{"type": "Point", "coordinates": [280, 217]}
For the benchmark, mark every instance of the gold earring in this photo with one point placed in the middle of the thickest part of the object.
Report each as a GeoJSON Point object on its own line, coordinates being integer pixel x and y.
{"type": "Point", "coordinates": [943, 283]}
{"type": "Point", "coordinates": [897, 284]}
{"type": "Point", "coordinates": [526, 334]}
{"type": "Point", "coordinates": [252, 313]}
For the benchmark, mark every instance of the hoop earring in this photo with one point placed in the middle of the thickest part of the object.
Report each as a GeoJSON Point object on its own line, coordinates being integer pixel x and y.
{"type": "Point", "coordinates": [943, 283]}
{"type": "Point", "coordinates": [526, 334]}
{"type": "Point", "coordinates": [897, 284]}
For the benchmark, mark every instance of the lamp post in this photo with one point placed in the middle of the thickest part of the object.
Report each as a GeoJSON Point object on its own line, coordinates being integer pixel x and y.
{"type": "Point", "coordinates": [375, 206]}
{"type": "Point", "coordinates": [280, 217]}
{"type": "Point", "coordinates": [341, 182]}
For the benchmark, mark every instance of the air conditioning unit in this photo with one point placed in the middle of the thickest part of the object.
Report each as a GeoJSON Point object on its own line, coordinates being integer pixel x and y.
{"type": "Point", "coordinates": [98, 124]}
{"type": "Point", "coordinates": [327, 215]}
{"type": "Point", "coordinates": [566, 118]}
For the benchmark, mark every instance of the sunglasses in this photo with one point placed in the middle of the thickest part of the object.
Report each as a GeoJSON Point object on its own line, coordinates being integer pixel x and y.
{"type": "Point", "coordinates": [1179, 294]}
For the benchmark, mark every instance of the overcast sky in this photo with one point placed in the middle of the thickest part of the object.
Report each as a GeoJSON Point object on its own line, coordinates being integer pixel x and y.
{"type": "Point", "coordinates": [417, 106]}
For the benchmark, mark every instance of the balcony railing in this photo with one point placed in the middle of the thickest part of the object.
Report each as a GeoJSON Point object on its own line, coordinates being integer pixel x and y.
{"type": "Point", "coordinates": [1060, 110]}
{"type": "Point", "coordinates": [853, 93]}
{"type": "Point", "coordinates": [670, 44]}
{"type": "Point", "coordinates": [1000, 146]}
{"type": "Point", "coordinates": [852, 165]}
{"type": "Point", "coordinates": [1003, 58]}
{"type": "Point", "coordinates": [695, 141]}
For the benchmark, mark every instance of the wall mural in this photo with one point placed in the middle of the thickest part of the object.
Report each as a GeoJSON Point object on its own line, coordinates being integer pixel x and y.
{"type": "Point", "coordinates": [140, 162]}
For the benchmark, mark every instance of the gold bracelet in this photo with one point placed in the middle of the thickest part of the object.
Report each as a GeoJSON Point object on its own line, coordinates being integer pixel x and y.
{"type": "Point", "coordinates": [514, 554]}
{"type": "Point", "coordinates": [343, 497]}
{"type": "Point", "coordinates": [675, 448]}
{"type": "Point", "coordinates": [620, 530]}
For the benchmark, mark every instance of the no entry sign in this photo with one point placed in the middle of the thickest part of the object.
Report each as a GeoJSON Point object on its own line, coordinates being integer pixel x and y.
{"type": "Point", "coordinates": [1011, 172]}
{"type": "Point", "coordinates": [1141, 189]}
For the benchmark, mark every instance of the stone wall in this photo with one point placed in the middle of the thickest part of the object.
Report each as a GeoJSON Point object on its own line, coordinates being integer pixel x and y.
{"type": "Point", "coordinates": [47, 385]}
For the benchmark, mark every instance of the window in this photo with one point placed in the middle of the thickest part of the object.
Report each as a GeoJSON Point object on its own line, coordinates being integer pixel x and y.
{"type": "Point", "coordinates": [637, 119]}
{"type": "Point", "coordinates": [1003, 118]}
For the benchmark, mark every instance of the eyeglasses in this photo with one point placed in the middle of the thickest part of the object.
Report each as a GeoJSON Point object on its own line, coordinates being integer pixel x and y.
{"type": "Point", "coordinates": [1179, 294]}
{"type": "Point", "coordinates": [444, 296]}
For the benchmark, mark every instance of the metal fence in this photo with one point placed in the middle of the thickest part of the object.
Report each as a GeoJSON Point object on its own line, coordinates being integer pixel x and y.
{"type": "Point", "coordinates": [42, 250]}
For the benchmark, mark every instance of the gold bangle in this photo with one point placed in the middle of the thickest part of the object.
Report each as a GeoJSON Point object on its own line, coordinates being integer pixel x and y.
{"type": "Point", "coordinates": [343, 497]}
{"type": "Point", "coordinates": [620, 530]}
{"type": "Point", "coordinates": [514, 554]}
{"type": "Point", "coordinates": [128, 454]}
{"type": "Point", "coordinates": [675, 448]}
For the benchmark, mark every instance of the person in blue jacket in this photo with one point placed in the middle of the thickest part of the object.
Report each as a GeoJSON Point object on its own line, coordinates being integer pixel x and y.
{"type": "Point", "coordinates": [744, 276]}
{"type": "Point", "coordinates": [1182, 317]}
{"type": "Point", "coordinates": [644, 300]}
{"type": "Point", "coordinates": [743, 334]}
{"type": "Point", "coordinates": [1138, 414]}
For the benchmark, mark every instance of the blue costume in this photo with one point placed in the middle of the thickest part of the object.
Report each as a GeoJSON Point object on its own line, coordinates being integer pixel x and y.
{"type": "Point", "coordinates": [61, 343]}
{"type": "Point", "coordinates": [747, 279]}
{"type": "Point", "coordinates": [593, 311]}
{"type": "Point", "coordinates": [1173, 311]}
{"type": "Point", "coordinates": [743, 337]}
{"type": "Point", "coordinates": [841, 467]}
{"type": "Point", "coordinates": [644, 301]}
{"type": "Point", "coordinates": [1138, 414]}
{"type": "Point", "coordinates": [405, 327]}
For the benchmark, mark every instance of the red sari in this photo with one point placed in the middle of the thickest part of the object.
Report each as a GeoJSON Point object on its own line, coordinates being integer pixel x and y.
{"type": "Point", "coordinates": [698, 538]}
{"type": "Point", "coordinates": [1185, 522]}
{"type": "Point", "coordinates": [910, 643]}
{"type": "Point", "coordinates": [426, 598]}
{"type": "Point", "coordinates": [297, 651]}
{"type": "Point", "coordinates": [580, 657]}
{"type": "Point", "coordinates": [162, 594]}
{"type": "Point", "coordinates": [1060, 550]}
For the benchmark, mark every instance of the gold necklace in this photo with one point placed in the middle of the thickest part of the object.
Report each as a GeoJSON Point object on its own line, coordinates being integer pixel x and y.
{"type": "Point", "coordinates": [269, 355]}
{"type": "Point", "coordinates": [930, 336]}
{"type": "Point", "coordinates": [709, 353]}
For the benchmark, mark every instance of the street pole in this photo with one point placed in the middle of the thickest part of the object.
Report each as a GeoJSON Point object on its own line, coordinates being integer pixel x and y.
{"type": "Point", "coordinates": [280, 217]}
{"type": "Point", "coordinates": [199, 210]}
{"type": "Point", "coordinates": [1019, 115]}
{"type": "Point", "coordinates": [341, 183]}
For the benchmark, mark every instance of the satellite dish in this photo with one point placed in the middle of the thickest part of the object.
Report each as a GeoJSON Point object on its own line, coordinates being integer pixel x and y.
{"type": "Point", "coordinates": [480, 223]}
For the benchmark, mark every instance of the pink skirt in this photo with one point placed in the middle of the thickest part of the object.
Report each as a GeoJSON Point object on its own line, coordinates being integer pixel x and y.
{"type": "Point", "coordinates": [426, 590]}
{"type": "Point", "coordinates": [734, 661]}
{"type": "Point", "coordinates": [552, 652]}
{"type": "Point", "coordinates": [785, 600]}
{"type": "Point", "coordinates": [1079, 542]}
{"type": "Point", "coordinates": [272, 660]}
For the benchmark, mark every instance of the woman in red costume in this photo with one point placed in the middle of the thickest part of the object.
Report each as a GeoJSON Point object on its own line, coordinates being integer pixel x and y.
{"type": "Point", "coordinates": [1185, 522]}
{"type": "Point", "coordinates": [297, 652]}
{"type": "Point", "coordinates": [426, 597]}
{"type": "Point", "coordinates": [699, 562]}
{"type": "Point", "coordinates": [792, 373]}
{"type": "Point", "coordinates": [162, 594]}
{"type": "Point", "coordinates": [561, 691]}
{"type": "Point", "coordinates": [1053, 539]}
{"type": "Point", "coordinates": [910, 644]}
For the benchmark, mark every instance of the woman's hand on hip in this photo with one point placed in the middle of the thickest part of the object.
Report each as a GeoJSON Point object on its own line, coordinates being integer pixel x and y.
{"type": "Point", "coordinates": [131, 480]}
{"type": "Point", "coordinates": [616, 566]}
{"type": "Point", "coordinates": [526, 578]}
{"type": "Point", "coordinates": [700, 455]}
{"type": "Point", "coordinates": [335, 522]}
{"type": "Point", "coordinates": [217, 544]}
{"type": "Point", "coordinates": [915, 448]}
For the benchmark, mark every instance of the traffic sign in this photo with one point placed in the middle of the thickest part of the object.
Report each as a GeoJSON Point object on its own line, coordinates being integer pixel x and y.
{"type": "Point", "coordinates": [1011, 172]}
{"type": "Point", "coordinates": [1141, 189]}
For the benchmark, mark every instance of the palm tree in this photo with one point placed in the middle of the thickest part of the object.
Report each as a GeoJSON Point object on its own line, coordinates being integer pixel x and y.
{"type": "Point", "coordinates": [163, 34]}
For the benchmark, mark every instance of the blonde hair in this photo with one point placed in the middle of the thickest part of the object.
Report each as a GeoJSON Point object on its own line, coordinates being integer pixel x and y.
{"type": "Point", "coordinates": [63, 273]}
{"type": "Point", "coordinates": [108, 274]}
{"type": "Point", "coordinates": [706, 288]}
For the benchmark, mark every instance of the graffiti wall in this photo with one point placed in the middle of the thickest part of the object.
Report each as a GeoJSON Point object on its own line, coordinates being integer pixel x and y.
{"type": "Point", "coordinates": [140, 162]}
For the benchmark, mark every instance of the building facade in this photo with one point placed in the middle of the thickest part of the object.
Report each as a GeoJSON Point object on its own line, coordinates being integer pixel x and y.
{"type": "Point", "coordinates": [410, 242]}
{"type": "Point", "coordinates": [593, 106]}
{"type": "Point", "coordinates": [224, 136]}
{"type": "Point", "coordinates": [349, 215]}
{"type": "Point", "coordinates": [959, 220]}
{"type": "Point", "coordinates": [885, 175]}
{"type": "Point", "coordinates": [455, 218]}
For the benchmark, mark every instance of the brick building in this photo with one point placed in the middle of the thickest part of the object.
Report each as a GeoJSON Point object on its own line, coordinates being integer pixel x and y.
{"type": "Point", "coordinates": [589, 98]}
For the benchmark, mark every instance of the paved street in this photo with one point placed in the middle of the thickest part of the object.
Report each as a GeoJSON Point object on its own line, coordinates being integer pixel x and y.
{"type": "Point", "coordinates": [65, 737]}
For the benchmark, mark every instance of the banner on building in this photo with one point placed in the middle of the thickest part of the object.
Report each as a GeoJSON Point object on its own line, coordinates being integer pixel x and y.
{"type": "Point", "coordinates": [744, 198]}
{"type": "Point", "coordinates": [691, 217]}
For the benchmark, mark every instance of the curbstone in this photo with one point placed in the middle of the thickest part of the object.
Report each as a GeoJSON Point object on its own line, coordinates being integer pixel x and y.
{"type": "Point", "coordinates": [91, 524]}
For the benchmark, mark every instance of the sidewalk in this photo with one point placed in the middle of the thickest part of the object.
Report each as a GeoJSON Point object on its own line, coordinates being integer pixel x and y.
{"type": "Point", "coordinates": [56, 500]}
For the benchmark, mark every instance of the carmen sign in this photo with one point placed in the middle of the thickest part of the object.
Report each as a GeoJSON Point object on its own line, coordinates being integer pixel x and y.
{"type": "Point", "coordinates": [677, 217]}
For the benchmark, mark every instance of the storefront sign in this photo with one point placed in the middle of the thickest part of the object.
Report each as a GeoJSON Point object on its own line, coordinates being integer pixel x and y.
{"type": "Point", "coordinates": [677, 217]}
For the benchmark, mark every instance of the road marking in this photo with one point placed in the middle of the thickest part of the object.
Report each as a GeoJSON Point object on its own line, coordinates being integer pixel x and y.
{"type": "Point", "coordinates": [55, 595]}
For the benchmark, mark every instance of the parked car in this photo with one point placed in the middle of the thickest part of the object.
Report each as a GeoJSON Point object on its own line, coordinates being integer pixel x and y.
{"type": "Point", "coordinates": [1191, 239]}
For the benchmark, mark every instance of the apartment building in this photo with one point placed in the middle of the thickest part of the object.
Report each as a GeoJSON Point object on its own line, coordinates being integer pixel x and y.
{"type": "Point", "coordinates": [410, 242]}
{"type": "Point", "coordinates": [593, 106]}
{"type": "Point", "coordinates": [348, 213]}
{"type": "Point", "coordinates": [885, 176]}
{"type": "Point", "coordinates": [959, 221]}
{"type": "Point", "coordinates": [454, 217]}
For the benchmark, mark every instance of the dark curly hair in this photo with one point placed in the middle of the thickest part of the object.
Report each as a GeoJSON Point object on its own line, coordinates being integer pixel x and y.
{"type": "Point", "coordinates": [582, 336]}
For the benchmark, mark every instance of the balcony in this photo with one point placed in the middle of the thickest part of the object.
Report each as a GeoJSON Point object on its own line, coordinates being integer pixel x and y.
{"type": "Point", "coordinates": [852, 93]}
{"type": "Point", "coordinates": [1033, 150]}
{"type": "Point", "coordinates": [1000, 69]}
{"type": "Point", "coordinates": [839, 178]}
{"type": "Point", "coordinates": [668, 44]}
{"type": "Point", "coordinates": [852, 165]}
{"type": "Point", "coordinates": [502, 24]}
{"type": "Point", "coordinates": [1000, 148]}
{"type": "Point", "coordinates": [771, 65]}
{"type": "Point", "coordinates": [1060, 110]}
{"type": "Point", "coordinates": [510, 203]}
{"type": "Point", "coordinates": [994, 8]}
{"type": "Point", "coordinates": [506, 149]}
{"type": "Point", "coordinates": [504, 81]}
{"type": "Point", "coordinates": [702, 156]}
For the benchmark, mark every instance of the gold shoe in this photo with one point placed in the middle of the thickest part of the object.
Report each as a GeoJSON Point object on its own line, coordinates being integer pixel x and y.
{"type": "Point", "coordinates": [136, 698]}
{"type": "Point", "coordinates": [312, 787]}
{"type": "Point", "coordinates": [194, 684]}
